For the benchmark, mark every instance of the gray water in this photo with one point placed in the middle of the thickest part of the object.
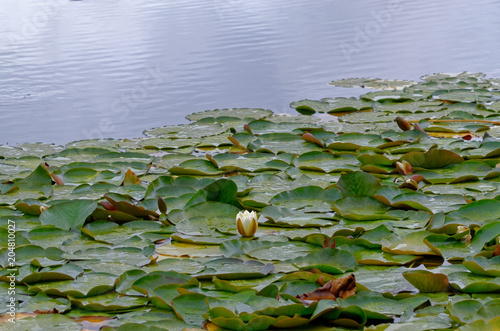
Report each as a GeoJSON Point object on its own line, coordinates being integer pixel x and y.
{"type": "Point", "coordinates": [73, 70]}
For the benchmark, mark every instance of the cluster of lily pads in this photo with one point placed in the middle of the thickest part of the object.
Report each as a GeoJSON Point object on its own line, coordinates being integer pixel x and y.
{"type": "Point", "coordinates": [378, 212]}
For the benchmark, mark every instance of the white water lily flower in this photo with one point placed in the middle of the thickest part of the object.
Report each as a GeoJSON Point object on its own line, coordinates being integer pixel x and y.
{"type": "Point", "coordinates": [247, 223]}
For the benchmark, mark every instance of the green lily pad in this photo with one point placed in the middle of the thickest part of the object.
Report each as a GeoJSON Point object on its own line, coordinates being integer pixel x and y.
{"type": "Point", "coordinates": [361, 209]}
{"type": "Point", "coordinates": [260, 127]}
{"type": "Point", "coordinates": [448, 247]}
{"type": "Point", "coordinates": [483, 266]}
{"type": "Point", "coordinates": [89, 284]}
{"type": "Point", "coordinates": [464, 310]}
{"type": "Point", "coordinates": [29, 206]}
{"type": "Point", "coordinates": [243, 113]}
{"type": "Point", "coordinates": [43, 236]}
{"type": "Point", "coordinates": [292, 218]}
{"type": "Point", "coordinates": [326, 162]}
{"type": "Point", "coordinates": [481, 211]}
{"type": "Point", "coordinates": [354, 141]}
{"type": "Point", "coordinates": [148, 319]}
{"type": "Point", "coordinates": [308, 107]}
{"type": "Point", "coordinates": [241, 285]}
{"type": "Point", "coordinates": [186, 266]}
{"type": "Point", "coordinates": [222, 190]}
{"type": "Point", "coordinates": [43, 303]}
{"type": "Point", "coordinates": [426, 281]}
{"type": "Point", "coordinates": [127, 255]}
{"type": "Point", "coordinates": [224, 268]}
{"type": "Point", "coordinates": [484, 235]}
{"type": "Point", "coordinates": [438, 322]}
{"type": "Point", "coordinates": [110, 302]}
{"type": "Point", "coordinates": [358, 184]}
{"type": "Point", "coordinates": [205, 218]}
{"type": "Point", "coordinates": [471, 283]}
{"type": "Point", "coordinates": [329, 260]}
{"type": "Point", "coordinates": [176, 249]}
{"type": "Point", "coordinates": [492, 325]}
{"type": "Point", "coordinates": [196, 167]}
{"type": "Point", "coordinates": [305, 196]}
{"type": "Point", "coordinates": [111, 267]}
{"type": "Point", "coordinates": [25, 254]}
{"type": "Point", "coordinates": [367, 256]}
{"type": "Point", "coordinates": [412, 243]}
{"type": "Point", "coordinates": [225, 318]}
{"type": "Point", "coordinates": [277, 143]}
{"type": "Point", "coordinates": [277, 251]}
{"type": "Point", "coordinates": [64, 272]}
{"type": "Point", "coordinates": [147, 283]}
{"type": "Point", "coordinates": [44, 322]}
{"type": "Point", "coordinates": [375, 305]}
{"type": "Point", "coordinates": [192, 130]}
{"type": "Point", "coordinates": [69, 214]}
{"type": "Point", "coordinates": [253, 162]}
{"type": "Point", "coordinates": [191, 307]}
{"type": "Point", "coordinates": [113, 233]}
{"type": "Point", "coordinates": [432, 159]}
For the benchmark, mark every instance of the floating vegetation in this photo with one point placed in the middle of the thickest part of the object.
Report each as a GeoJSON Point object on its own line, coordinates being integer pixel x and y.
{"type": "Point", "coordinates": [385, 216]}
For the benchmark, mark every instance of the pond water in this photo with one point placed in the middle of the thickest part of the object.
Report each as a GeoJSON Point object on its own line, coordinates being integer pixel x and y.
{"type": "Point", "coordinates": [72, 70]}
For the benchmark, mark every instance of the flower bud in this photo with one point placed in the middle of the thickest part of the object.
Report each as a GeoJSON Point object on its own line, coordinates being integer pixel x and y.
{"type": "Point", "coordinates": [246, 223]}
{"type": "Point", "coordinates": [409, 183]}
{"type": "Point", "coordinates": [403, 124]}
{"type": "Point", "coordinates": [404, 168]}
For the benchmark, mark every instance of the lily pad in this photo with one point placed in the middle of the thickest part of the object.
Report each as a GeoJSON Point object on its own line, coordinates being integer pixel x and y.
{"type": "Point", "coordinates": [89, 284]}
{"type": "Point", "coordinates": [471, 283]}
{"type": "Point", "coordinates": [235, 269]}
{"type": "Point", "coordinates": [205, 218]}
{"type": "Point", "coordinates": [190, 307]}
{"type": "Point", "coordinates": [361, 209]}
{"type": "Point", "coordinates": [329, 260]}
{"type": "Point", "coordinates": [291, 218]}
{"type": "Point", "coordinates": [225, 318]}
{"type": "Point", "coordinates": [483, 266]}
{"type": "Point", "coordinates": [426, 281]}
{"type": "Point", "coordinates": [358, 184]}
{"type": "Point", "coordinates": [111, 302]}
{"type": "Point", "coordinates": [67, 215]}
{"type": "Point", "coordinates": [44, 322]}
{"type": "Point", "coordinates": [434, 158]}
{"type": "Point", "coordinates": [305, 196]}
{"type": "Point", "coordinates": [43, 303]}
{"type": "Point", "coordinates": [277, 251]}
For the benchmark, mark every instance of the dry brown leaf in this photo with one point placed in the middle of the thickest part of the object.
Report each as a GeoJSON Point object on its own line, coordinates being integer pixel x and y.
{"type": "Point", "coordinates": [341, 287]}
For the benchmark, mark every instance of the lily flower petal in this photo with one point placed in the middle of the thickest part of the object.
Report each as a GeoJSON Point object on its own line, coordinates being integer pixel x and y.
{"type": "Point", "coordinates": [246, 222]}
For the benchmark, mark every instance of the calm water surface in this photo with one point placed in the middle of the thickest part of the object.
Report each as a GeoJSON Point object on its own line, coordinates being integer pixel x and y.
{"type": "Point", "coordinates": [72, 70]}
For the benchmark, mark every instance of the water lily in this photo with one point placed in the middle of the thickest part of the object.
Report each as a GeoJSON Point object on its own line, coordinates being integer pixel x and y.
{"type": "Point", "coordinates": [246, 223]}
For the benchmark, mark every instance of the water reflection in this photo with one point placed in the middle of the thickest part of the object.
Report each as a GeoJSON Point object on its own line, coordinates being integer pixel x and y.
{"type": "Point", "coordinates": [76, 69]}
